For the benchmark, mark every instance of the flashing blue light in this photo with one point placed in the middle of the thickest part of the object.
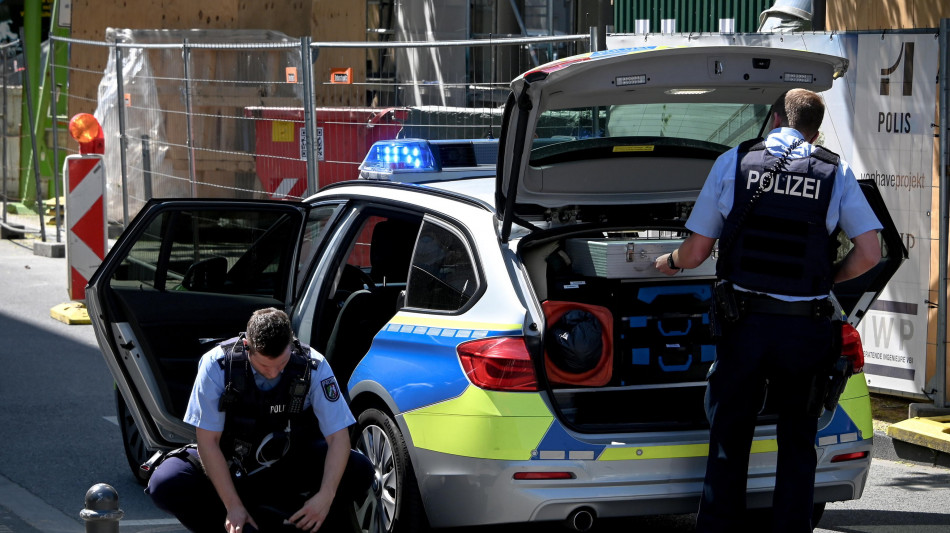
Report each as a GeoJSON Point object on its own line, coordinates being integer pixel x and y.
{"type": "Point", "coordinates": [400, 155]}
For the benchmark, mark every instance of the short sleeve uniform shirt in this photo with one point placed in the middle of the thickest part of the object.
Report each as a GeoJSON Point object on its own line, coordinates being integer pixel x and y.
{"type": "Point", "coordinates": [333, 414]}
{"type": "Point", "coordinates": [848, 209]}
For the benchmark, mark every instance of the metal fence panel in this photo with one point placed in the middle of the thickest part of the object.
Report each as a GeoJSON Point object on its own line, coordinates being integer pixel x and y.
{"type": "Point", "coordinates": [685, 16]}
{"type": "Point", "coordinates": [221, 114]}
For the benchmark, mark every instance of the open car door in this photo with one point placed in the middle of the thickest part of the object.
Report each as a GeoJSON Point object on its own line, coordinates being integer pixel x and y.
{"type": "Point", "coordinates": [185, 275]}
{"type": "Point", "coordinates": [857, 295]}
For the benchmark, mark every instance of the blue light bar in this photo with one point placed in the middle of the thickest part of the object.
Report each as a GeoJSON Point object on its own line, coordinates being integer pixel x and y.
{"type": "Point", "coordinates": [399, 155]}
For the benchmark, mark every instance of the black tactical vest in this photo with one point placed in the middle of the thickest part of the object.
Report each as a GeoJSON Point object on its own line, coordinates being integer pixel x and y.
{"type": "Point", "coordinates": [781, 244]}
{"type": "Point", "coordinates": [260, 425]}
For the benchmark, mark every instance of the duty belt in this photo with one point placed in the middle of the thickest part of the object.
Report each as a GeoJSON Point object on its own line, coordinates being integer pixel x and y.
{"type": "Point", "coordinates": [766, 305]}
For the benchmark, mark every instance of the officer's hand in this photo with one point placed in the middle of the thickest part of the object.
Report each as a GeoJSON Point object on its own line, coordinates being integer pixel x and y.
{"type": "Point", "coordinates": [238, 520]}
{"type": "Point", "coordinates": [313, 513]}
{"type": "Point", "coordinates": [662, 264]}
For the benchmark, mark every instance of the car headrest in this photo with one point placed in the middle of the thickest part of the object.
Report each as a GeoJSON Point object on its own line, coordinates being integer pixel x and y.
{"type": "Point", "coordinates": [390, 250]}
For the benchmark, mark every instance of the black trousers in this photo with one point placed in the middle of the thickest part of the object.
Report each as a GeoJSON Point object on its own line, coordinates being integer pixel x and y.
{"type": "Point", "coordinates": [270, 496]}
{"type": "Point", "coordinates": [788, 352]}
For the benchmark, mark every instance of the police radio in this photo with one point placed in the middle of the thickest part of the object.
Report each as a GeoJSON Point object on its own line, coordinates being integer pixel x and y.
{"type": "Point", "coordinates": [298, 392]}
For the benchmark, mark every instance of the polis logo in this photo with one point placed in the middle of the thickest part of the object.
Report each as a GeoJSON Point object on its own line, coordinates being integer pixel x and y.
{"type": "Point", "coordinates": [891, 121]}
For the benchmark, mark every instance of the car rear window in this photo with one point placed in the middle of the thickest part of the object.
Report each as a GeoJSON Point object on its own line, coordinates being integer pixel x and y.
{"type": "Point", "coordinates": [625, 130]}
{"type": "Point", "coordinates": [443, 275]}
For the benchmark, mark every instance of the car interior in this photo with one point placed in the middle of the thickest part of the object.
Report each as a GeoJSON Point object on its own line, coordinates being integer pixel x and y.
{"type": "Point", "coordinates": [369, 291]}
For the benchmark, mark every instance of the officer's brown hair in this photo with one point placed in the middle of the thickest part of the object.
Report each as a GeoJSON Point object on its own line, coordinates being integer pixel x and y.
{"type": "Point", "coordinates": [800, 109]}
{"type": "Point", "coordinates": [269, 332]}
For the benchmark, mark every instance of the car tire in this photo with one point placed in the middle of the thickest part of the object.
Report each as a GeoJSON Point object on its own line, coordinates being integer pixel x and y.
{"type": "Point", "coordinates": [394, 505]}
{"type": "Point", "coordinates": [135, 451]}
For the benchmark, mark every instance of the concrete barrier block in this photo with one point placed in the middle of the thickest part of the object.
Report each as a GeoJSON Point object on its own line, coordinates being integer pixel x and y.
{"type": "Point", "coordinates": [933, 432]}
{"type": "Point", "coordinates": [49, 249]}
{"type": "Point", "coordinates": [71, 313]}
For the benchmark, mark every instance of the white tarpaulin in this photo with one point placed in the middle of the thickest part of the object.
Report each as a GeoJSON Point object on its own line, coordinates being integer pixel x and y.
{"type": "Point", "coordinates": [879, 118]}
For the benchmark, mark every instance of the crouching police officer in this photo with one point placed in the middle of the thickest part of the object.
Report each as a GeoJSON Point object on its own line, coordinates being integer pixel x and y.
{"type": "Point", "coordinates": [775, 206]}
{"type": "Point", "coordinates": [260, 404]}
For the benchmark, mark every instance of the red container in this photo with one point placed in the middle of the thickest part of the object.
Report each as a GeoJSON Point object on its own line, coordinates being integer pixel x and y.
{"type": "Point", "coordinates": [344, 136]}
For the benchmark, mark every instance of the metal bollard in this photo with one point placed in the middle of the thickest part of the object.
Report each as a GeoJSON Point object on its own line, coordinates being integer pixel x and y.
{"type": "Point", "coordinates": [102, 513]}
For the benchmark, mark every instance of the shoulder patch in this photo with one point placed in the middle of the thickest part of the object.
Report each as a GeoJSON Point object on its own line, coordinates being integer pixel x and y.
{"type": "Point", "coordinates": [330, 389]}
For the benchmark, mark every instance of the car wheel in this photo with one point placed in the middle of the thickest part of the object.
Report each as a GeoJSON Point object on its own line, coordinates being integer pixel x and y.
{"type": "Point", "coordinates": [135, 451]}
{"type": "Point", "coordinates": [395, 505]}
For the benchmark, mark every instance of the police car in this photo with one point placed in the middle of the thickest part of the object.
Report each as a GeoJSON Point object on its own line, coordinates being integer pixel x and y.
{"type": "Point", "coordinates": [503, 341]}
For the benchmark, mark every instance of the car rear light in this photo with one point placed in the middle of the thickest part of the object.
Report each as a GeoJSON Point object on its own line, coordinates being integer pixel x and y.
{"type": "Point", "coordinates": [849, 457]}
{"type": "Point", "coordinates": [851, 347]}
{"type": "Point", "coordinates": [543, 475]}
{"type": "Point", "coordinates": [498, 363]}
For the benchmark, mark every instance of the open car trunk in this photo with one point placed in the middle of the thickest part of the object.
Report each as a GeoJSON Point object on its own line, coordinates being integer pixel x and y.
{"type": "Point", "coordinates": [642, 344]}
{"type": "Point", "coordinates": [640, 339]}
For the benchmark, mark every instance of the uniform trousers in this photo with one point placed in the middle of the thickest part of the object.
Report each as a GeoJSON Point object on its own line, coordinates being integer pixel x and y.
{"type": "Point", "coordinates": [757, 355]}
{"type": "Point", "coordinates": [269, 496]}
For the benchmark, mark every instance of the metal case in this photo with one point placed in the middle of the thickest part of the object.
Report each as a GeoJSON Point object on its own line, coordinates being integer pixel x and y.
{"type": "Point", "coordinates": [626, 258]}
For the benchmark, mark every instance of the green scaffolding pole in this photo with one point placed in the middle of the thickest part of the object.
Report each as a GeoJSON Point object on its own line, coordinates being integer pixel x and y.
{"type": "Point", "coordinates": [47, 117]}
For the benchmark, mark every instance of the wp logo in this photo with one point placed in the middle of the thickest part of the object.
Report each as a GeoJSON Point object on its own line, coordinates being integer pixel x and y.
{"type": "Point", "coordinates": [906, 57]}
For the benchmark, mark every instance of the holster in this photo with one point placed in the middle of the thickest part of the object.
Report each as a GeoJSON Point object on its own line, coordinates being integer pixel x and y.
{"type": "Point", "coordinates": [724, 308]}
{"type": "Point", "coordinates": [147, 468]}
{"type": "Point", "coordinates": [841, 372]}
{"type": "Point", "coordinates": [830, 383]}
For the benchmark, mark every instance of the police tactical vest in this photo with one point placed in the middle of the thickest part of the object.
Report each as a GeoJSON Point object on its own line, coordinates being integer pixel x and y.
{"type": "Point", "coordinates": [781, 244]}
{"type": "Point", "coordinates": [260, 425]}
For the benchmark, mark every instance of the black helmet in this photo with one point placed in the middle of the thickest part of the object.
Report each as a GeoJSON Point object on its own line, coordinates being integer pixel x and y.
{"type": "Point", "coordinates": [575, 341]}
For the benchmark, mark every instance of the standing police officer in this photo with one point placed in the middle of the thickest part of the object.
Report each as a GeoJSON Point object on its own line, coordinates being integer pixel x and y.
{"type": "Point", "coordinates": [260, 404]}
{"type": "Point", "coordinates": [775, 206]}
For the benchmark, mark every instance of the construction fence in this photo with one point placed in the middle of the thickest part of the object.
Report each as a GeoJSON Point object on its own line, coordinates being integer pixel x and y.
{"type": "Point", "coordinates": [11, 134]}
{"type": "Point", "coordinates": [232, 114]}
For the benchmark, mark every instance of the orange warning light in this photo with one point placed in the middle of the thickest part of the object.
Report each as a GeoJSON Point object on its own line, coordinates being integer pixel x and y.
{"type": "Point", "coordinates": [86, 129]}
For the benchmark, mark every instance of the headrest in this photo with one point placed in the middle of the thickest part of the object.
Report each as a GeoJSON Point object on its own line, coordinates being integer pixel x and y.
{"type": "Point", "coordinates": [390, 250]}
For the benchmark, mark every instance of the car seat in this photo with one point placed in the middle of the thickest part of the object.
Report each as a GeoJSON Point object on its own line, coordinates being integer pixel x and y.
{"type": "Point", "coordinates": [362, 316]}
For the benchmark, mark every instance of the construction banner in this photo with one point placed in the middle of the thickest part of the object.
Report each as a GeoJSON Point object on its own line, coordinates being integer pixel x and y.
{"type": "Point", "coordinates": [879, 118]}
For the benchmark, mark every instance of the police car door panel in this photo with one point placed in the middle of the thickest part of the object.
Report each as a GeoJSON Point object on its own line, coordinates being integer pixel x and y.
{"type": "Point", "coordinates": [857, 295]}
{"type": "Point", "coordinates": [184, 275]}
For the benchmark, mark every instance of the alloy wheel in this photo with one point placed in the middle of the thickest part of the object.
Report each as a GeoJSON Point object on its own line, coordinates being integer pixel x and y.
{"type": "Point", "coordinates": [381, 508]}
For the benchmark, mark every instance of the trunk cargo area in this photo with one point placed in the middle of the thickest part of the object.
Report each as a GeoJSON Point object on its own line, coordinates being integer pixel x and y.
{"type": "Point", "coordinates": [626, 348]}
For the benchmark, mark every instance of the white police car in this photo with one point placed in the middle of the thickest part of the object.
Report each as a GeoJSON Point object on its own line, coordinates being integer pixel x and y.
{"type": "Point", "coordinates": [441, 305]}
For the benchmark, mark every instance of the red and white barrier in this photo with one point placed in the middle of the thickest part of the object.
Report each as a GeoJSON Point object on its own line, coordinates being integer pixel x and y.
{"type": "Point", "coordinates": [85, 220]}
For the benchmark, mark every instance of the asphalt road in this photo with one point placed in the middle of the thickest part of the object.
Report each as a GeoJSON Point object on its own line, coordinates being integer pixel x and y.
{"type": "Point", "coordinates": [59, 434]}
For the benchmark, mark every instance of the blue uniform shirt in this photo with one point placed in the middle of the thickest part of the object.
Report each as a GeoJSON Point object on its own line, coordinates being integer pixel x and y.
{"type": "Point", "coordinates": [333, 414]}
{"type": "Point", "coordinates": [849, 208]}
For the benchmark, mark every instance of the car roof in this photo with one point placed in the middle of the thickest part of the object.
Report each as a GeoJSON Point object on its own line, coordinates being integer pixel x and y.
{"type": "Point", "coordinates": [474, 191]}
{"type": "Point", "coordinates": [480, 188]}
